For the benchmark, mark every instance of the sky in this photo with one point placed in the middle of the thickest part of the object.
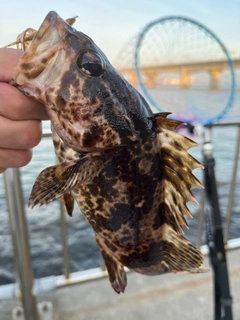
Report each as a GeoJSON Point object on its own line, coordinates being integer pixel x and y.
{"type": "Point", "coordinates": [112, 23]}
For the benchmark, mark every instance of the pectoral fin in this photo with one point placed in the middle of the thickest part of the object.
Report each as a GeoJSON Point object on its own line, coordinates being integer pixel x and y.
{"type": "Point", "coordinates": [53, 182]}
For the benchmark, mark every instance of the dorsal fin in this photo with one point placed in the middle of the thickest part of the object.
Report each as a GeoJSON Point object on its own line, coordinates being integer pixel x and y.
{"type": "Point", "coordinates": [160, 120]}
{"type": "Point", "coordinates": [178, 178]}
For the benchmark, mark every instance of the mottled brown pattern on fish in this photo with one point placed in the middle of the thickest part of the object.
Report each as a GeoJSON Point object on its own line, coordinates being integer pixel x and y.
{"type": "Point", "coordinates": [127, 169]}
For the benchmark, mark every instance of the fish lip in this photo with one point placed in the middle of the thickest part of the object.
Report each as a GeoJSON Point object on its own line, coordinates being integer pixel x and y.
{"type": "Point", "coordinates": [48, 40]}
{"type": "Point", "coordinates": [47, 46]}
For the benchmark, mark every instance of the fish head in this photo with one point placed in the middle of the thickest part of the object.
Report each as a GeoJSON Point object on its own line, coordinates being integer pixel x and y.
{"type": "Point", "coordinates": [89, 103]}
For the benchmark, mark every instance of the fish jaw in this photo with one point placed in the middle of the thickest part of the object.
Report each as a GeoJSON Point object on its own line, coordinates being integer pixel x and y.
{"type": "Point", "coordinates": [39, 67]}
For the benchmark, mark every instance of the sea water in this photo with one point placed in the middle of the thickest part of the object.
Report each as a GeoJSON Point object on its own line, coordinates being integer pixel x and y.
{"type": "Point", "coordinates": [44, 222]}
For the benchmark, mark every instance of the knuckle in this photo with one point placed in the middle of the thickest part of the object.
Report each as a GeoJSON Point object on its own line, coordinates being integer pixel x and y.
{"type": "Point", "coordinates": [32, 135]}
{"type": "Point", "coordinates": [24, 157]}
{"type": "Point", "coordinates": [14, 158]}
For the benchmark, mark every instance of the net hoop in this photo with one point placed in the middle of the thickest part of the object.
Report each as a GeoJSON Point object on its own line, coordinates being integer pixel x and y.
{"type": "Point", "coordinates": [139, 42]}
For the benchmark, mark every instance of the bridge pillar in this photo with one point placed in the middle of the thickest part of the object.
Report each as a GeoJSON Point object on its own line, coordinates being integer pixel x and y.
{"type": "Point", "coordinates": [132, 78]}
{"type": "Point", "coordinates": [215, 75]}
{"type": "Point", "coordinates": [150, 78]}
{"type": "Point", "coordinates": [185, 78]}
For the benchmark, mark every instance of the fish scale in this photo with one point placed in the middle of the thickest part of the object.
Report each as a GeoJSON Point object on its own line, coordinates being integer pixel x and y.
{"type": "Point", "coordinates": [126, 167]}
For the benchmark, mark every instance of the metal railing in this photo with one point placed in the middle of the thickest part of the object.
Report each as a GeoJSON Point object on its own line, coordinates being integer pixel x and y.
{"type": "Point", "coordinates": [29, 288]}
{"type": "Point", "coordinates": [232, 187]}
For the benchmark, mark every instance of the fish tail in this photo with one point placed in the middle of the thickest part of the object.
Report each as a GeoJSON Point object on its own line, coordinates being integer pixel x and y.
{"type": "Point", "coordinates": [180, 255]}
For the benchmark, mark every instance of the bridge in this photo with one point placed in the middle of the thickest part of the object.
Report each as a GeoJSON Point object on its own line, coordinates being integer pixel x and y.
{"type": "Point", "coordinates": [150, 73]}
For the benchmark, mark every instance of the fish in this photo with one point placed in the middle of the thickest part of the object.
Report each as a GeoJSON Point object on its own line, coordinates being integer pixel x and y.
{"type": "Point", "coordinates": [126, 167]}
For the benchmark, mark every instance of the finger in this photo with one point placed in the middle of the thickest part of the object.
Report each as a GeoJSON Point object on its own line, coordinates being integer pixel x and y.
{"type": "Point", "coordinates": [19, 134]}
{"type": "Point", "coordinates": [14, 158]}
{"type": "Point", "coordinates": [15, 106]}
{"type": "Point", "coordinates": [8, 63]}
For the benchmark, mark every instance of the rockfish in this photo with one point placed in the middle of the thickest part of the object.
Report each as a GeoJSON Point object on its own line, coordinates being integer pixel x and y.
{"type": "Point", "coordinates": [125, 166]}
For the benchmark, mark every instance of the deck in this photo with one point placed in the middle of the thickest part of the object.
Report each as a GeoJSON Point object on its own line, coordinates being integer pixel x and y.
{"type": "Point", "coordinates": [171, 296]}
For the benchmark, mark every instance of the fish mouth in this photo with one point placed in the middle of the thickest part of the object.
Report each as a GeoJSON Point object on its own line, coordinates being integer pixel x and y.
{"type": "Point", "coordinates": [51, 32]}
{"type": "Point", "coordinates": [40, 64]}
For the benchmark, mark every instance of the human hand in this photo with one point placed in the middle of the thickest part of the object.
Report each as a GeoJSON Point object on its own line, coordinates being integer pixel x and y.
{"type": "Point", "coordinates": [20, 116]}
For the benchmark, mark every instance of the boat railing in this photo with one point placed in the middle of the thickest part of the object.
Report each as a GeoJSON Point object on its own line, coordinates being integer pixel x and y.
{"type": "Point", "coordinates": [28, 288]}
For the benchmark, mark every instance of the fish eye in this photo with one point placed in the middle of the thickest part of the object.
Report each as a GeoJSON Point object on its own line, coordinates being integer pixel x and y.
{"type": "Point", "coordinates": [90, 64]}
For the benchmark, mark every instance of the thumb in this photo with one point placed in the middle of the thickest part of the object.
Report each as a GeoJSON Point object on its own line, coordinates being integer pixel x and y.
{"type": "Point", "coordinates": [8, 63]}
